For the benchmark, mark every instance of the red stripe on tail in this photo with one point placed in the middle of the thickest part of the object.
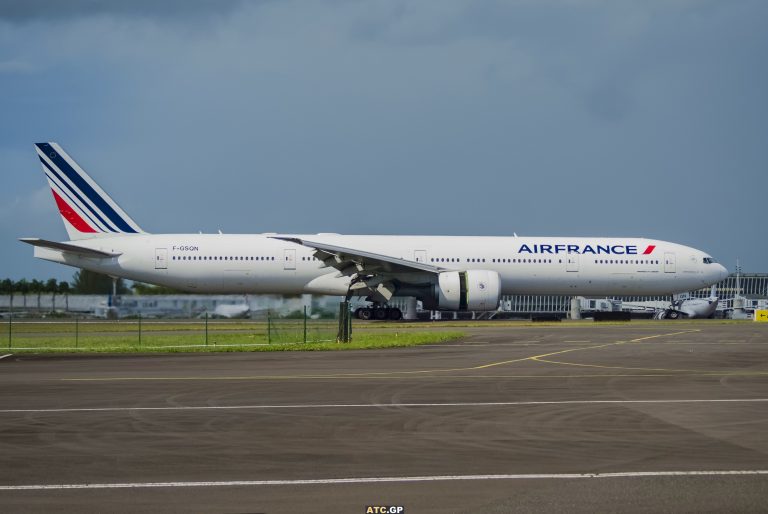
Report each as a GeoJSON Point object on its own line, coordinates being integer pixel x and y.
{"type": "Point", "coordinates": [70, 215]}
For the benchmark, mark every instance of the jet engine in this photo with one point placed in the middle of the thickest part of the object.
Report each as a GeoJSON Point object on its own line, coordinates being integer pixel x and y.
{"type": "Point", "coordinates": [471, 290]}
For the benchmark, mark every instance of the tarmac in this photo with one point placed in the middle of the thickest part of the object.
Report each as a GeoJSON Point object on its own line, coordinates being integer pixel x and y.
{"type": "Point", "coordinates": [640, 417]}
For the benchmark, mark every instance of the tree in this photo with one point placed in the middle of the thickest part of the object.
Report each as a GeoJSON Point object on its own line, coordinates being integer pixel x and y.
{"type": "Point", "coordinates": [52, 286]}
{"type": "Point", "coordinates": [22, 286]}
{"type": "Point", "coordinates": [6, 287]}
{"type": "Point", "coordinates": [90, 282]}
{"type": "Point", "coordinates": [64, 289]}
{"type": "Point", "coordinates": [37, 286]}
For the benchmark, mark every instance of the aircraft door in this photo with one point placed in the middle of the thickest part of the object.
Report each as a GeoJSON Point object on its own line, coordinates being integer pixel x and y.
{"type": "Point", "coordinates": [572, 262]}
{"type": "Point", "coordinates": [420, 255]}
{"type": "Point", "coordinates": [289, 259]}
{"type": "Point", "coordinates": [161, 258]}
{"type": "Point", "coordinates": [669, 263]}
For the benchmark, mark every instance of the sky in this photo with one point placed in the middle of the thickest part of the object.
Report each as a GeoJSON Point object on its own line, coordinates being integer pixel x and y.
{"type": "Point", "coordinates": [535, 117]}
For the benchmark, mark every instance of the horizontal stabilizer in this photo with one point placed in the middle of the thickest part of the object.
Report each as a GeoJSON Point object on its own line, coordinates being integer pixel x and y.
{"type": "Point", "coordinates": [68, 247]}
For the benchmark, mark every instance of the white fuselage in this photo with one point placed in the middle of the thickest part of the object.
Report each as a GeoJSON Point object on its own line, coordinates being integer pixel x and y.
{"type": "Point", "coordinates": [216, 263]}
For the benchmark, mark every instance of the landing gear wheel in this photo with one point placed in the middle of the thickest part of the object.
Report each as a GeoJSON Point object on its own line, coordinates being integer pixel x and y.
{"type": "Point", "coordinates": [380, 313]}
{"type": "Point", "coordinates": [364, 313]}
{"type": "Point", "coordinates": [395, 314]}
{"type": "Point", "coordinates": [673, 315]}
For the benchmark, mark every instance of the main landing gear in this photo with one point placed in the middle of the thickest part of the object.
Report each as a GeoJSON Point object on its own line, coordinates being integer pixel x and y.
{"type": "Point", "coordinates": [379, 313]}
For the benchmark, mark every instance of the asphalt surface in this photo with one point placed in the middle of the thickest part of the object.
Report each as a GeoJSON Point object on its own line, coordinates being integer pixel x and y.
{"type": "Point", "coordinates": [642, 417]}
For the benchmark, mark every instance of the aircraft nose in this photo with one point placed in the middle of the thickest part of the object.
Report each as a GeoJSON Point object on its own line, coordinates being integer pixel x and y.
{"type": "Point", "coordinates": [722, 272]}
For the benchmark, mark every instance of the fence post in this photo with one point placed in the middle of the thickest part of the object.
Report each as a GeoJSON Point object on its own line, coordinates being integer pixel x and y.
{"type": "Point", "coordinates": [206, 328]}
{"type": "Point", "coordinates": [269, 327]}
{"type": "Point", "coordinates": [344, 334]}
{"type": "Point", "coordinates": [139, 329]}
{"type": "Point", "coordinates": [305, 324]}
{"type": "Point", "coordinates": [77, 330]}
{"type": "Point", "coordinates": [10, 327]}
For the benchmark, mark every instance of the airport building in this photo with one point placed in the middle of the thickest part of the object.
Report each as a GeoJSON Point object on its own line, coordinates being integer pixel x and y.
{"type": "Point", "coordinates": [747, 291]}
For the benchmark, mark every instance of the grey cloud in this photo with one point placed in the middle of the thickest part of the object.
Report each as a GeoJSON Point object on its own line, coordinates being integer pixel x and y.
{"type": "Point", "coordinates": [58, 10]}
{"type": "Point", "coordinates": [460, 117]}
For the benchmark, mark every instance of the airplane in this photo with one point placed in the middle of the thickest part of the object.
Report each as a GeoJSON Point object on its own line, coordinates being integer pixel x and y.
{"type": "Point", "coordinates": [691, 307]}
{"type": "Point", "coordinates": [228, 310]}
{"type": "Point", "coordinates": [450, 273]}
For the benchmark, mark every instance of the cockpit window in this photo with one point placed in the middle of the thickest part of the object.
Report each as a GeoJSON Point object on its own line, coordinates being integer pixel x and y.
{"type": "Point", "coordinates": [709, 260]}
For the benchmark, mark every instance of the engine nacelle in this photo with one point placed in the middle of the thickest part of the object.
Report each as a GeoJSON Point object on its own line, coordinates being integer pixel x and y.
{"type": "Point", "coordinates": [471, 290]}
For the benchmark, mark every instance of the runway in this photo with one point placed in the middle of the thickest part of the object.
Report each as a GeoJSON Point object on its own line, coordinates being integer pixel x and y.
{"type": "Point", "coordinates": [667, 416]}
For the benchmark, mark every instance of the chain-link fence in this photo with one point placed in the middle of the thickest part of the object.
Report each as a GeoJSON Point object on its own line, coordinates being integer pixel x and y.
{"type": "Point", "coordinates": [77, 334]}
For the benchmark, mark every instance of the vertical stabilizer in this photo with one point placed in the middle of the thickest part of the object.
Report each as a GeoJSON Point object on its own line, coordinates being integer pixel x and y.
{"type": "Point", "coordinates": [86, 210]}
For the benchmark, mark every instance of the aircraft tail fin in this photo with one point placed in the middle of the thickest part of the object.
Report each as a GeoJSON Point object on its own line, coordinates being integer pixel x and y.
{"type": "Point", "coordinates": [86, 209]}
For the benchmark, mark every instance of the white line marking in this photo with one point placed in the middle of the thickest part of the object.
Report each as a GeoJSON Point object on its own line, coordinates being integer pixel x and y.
{"type": "Point", "coordinates": [375, 405]}
{"type": "Point", "coordinates": [6, 355]}
{"type": "Point", "coordinates": [376, 480]}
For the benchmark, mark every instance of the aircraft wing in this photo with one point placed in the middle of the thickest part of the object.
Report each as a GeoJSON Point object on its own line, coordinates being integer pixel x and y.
{"type": "Point", "coordinates": [68, 247]}
{"type": "Point", "coordinates": [350, 261]}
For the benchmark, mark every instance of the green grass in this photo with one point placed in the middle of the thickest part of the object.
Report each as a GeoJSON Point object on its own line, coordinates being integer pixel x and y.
{"type": "Point", "coordinates": [283, 335]}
